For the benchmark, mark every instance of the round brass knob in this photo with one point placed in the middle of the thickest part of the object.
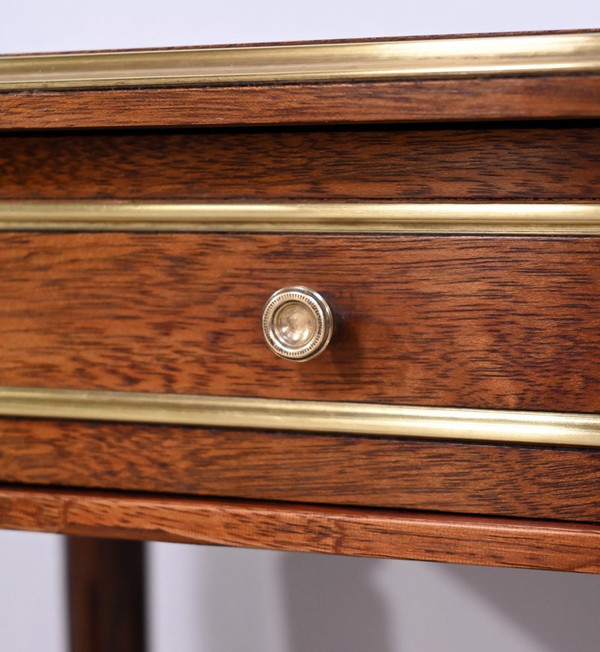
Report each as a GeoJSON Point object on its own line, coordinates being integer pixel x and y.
{"type": "Point", "coordinates": [297, 323]}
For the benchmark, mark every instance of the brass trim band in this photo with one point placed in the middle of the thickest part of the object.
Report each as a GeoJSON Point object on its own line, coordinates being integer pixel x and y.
{"type": "Point", "coordinates": [315, 217]}
{"type": "Point", "coordinates": [427, 58]}
{"type": "Point", "coordinates": [306, 416]}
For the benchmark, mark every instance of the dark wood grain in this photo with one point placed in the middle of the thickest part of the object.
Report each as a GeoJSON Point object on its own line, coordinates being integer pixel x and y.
{"type": "Point", "coordinates": [448, 321]}
{"type": "Point", "coordinates": [358, 532]}
{"type": "Point", "coordinates": [399, 162]}
{"type": "Point", "coordinates": [519, 481]}
{"type": "Point", "coordinates": [106, 595]}
{"type": "Point", "coordinates": [513, 98]}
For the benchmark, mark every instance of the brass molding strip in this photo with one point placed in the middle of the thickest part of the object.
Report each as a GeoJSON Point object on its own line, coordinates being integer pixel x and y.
{"type": "Point", "coordinates": [427, 58]}
{"type": "Point", "coordinates": [308, 416]}
{"type": "Point", "coordinates": [314, 217]}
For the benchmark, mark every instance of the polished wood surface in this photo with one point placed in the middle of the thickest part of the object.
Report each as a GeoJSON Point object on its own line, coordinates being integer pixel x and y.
{"type": "Point", "coordinates": [106, 595]}
{"type": "Point", "coordinates": [471, 321]}
{"type": "Point", "coordinates": [519, 98]}
{"type": "Point", "coordinates": [486, 162]}
{"type": "Point", "coordinates": [503, 480]}
{"type": "Point", "coordinates": [477, 322]}
{"type": "Point", "coordinates": [277, 526]}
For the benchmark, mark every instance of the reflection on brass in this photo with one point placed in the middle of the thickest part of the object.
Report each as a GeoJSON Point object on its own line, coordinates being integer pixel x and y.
{"type": "Point", "coordinates": [297, 323]}
{"type": "Point", "coordinates": [319, 217]}
{"type": "Point", "coordinates": [425, 58]}
{"type": "Point", "coordinates": [311, 416]}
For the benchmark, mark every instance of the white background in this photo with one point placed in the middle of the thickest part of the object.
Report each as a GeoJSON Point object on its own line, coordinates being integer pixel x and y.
{"type": "Point", "coordinates": [222, 600]}
{"type": "Point", "coordinates": [43, 25]}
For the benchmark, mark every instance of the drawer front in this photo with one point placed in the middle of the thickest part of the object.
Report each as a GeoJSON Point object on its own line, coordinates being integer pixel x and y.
{"type": "Point", "coordinates": [471, 321]}
{"type": "Point", "coordinates": [425, 320]}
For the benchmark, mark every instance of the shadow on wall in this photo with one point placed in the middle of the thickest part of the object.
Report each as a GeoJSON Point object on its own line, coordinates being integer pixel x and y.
{"type": "Point", "coordinates": [226, 600]}
{"type": "Point", "coordinates": [332, 604]}
{"type": "Point", "coordinates": [557, 610]}
{"type": "Point", "coordinates": [253, 600]}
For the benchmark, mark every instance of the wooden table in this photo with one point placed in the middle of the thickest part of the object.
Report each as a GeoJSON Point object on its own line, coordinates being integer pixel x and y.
{"type": "Point", "coordinates": [441, 195]}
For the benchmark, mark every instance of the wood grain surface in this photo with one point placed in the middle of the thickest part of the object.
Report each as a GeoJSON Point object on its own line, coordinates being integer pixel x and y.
{"type": "Point", "coordinates": [106, 593]}
{"type": "Point", "coordinates": [503, 480]}
{"type": "Point", "coordinates": [514, 98]}
{"type": "Point", "coordinates": [399, 162]}
{"type": "Point", "coordinates": [503, 322]}
{"type": "Point", "coordinates": [358, 532]}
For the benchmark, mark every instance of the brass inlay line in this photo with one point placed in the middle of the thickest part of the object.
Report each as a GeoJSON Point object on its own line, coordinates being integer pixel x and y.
{"type": "Point", "coordinates": [308, 416]}
{"type": "Point", "coordinates": [319, 217]}
{"type": "Point", "coordinates": [324, 217]}
{"type": "Point", "coordinates": [427, 58]}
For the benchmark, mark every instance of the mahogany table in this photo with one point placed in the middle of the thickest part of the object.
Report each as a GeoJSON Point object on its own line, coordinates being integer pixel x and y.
{"type": "Point", "coordinates": [430, 209]}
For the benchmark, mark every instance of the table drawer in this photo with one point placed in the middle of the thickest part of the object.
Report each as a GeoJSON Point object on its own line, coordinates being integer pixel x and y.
{"type": "Point", "coordinates": [472, 321]}
{"type": "Point", "coordinates": [464, 321]}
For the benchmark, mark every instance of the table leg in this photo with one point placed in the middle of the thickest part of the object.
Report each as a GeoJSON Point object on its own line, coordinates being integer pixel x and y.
{"type": "Point", "coordinates": [106, 595]}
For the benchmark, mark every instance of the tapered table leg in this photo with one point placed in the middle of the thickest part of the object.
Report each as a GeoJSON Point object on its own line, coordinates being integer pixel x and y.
{"type": "Point", "coordinates": [106, 595]}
